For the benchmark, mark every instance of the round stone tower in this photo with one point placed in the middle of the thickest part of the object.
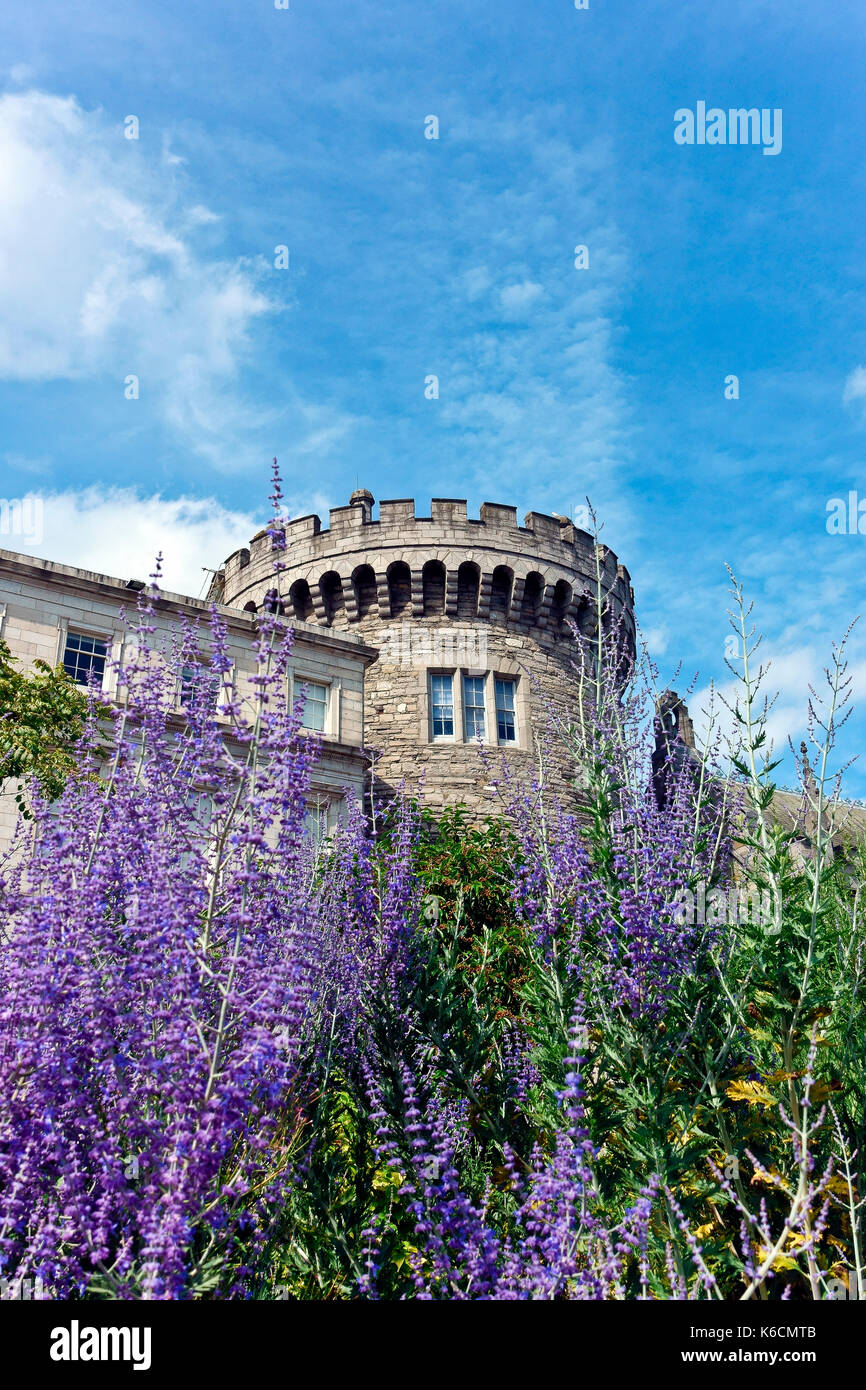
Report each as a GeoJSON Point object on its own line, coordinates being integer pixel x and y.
{"type": "Point", "coordinates": [470, 619]}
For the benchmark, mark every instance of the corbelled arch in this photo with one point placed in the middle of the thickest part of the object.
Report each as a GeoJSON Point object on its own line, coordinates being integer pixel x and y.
{"type": "Point", "coordinates": [272, 603]}
{"type": "Point", "coordinates": [468, 589]}
{"type": "Point", "coordinates": [399, 578]}
{"type": "Point", "coordinates": [301, 601]}
{"type": "Point", "coordinates": [501, 587]}
{"type": "Point", "coordinates": [433, 578]}
{"type": "Point", "coordinates": [532, 598]}
{"type": "Point", "coordinates": [560, 607]}
{"type": "Point", "coordinates": [364, 588]}
{"type": "Point", "coordinates": [333, 599]}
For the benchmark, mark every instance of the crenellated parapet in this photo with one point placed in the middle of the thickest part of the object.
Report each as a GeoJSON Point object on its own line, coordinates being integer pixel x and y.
{"type": "Point", "coordinates": [538, 575]}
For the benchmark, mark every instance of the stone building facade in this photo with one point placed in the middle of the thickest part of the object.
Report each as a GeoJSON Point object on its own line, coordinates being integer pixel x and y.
{"type": "Point", "coordinates": [73, 617]}
{"type": "Point", "coordinates": [470, 618]}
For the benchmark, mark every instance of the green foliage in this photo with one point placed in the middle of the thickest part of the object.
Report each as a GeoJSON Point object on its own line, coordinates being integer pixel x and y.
{"type": "Point", "coordinates": [467, 874]}
{"type": "Point", "coordinates": [42, 716]}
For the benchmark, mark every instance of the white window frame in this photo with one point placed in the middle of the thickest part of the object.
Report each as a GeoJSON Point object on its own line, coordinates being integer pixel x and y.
{"type": "Point", "coordinates": [482, 677]}
{"type": "Point", "coordinates": [223, 685]}
{"type": "Point", "coordinates": [67, 628]}
{"type": "Point", "coordinates": [459, 676]}
{"type": "Point", "coordinates": [318, 818]}
{"type": "Point", "coordinates": [298, 678]}
{"type": "Point", "coordinates": [514, 682]}
{"type": "Point", "coordinates": [456, 713]}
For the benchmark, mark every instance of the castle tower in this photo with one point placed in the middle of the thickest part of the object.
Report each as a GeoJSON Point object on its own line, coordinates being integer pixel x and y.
{"type": "Point", "coordinates": [470, 619]}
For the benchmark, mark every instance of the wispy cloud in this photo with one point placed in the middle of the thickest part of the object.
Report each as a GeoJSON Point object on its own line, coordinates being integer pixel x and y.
{"type": "Point", "coordinates": [101, 276]}
{"type": "Point", "coordinates": [517, 299]}
{"type": "Point", "coordinates": [855, 387]}
{"type": "Point", "coordinates": [119, 532]}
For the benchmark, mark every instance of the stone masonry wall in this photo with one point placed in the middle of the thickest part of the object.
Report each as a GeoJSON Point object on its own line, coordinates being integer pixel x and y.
{"type": "Point", "coordinates": [444, 593]}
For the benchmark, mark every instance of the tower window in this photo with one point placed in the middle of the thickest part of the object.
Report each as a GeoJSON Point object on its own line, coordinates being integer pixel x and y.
{"type": "Point", "coordinates": [442, 703]}
{"type": "Point", "coordinates": [84, 658]}
{"type": "Point", "coordinates": [505, 718]}
{"type": "Point", "coordinates": [473, 705]}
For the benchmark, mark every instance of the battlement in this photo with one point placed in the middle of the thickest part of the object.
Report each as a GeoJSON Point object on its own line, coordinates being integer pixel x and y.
{"type": "Point", "coordinates": [444, 511]}
{"type": "Point", "coordinates": [353, 526]}
{"type": "Point", "coordinates": [536, 575]}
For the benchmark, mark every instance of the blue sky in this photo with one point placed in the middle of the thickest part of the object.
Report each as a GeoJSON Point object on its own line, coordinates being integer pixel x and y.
{"type": "Point", "coordinates": [409, 257]}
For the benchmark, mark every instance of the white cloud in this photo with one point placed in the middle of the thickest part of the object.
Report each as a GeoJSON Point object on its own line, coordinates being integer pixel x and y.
{"type": "Point", "coordinates": [100, 274]}
{"type": "Point", "coordinates": [28, 463]}
{"type": "Point", "coordinates": [517, 299]}
{"type": "Point", "coordinates": [657, 640]}
{"type": "Point", "coordinates": [789, 676]}
{"type": "Point", "coordinates": [118, 532]}
{"type": "Point", "coordinates": [855, 386]}
{"type": "Point", "coordinates": [477, 281]}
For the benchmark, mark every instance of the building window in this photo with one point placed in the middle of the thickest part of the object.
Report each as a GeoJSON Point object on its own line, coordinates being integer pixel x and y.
{"type": "Point", "coordinates": [316, 822]}
{"type": "Point", "coordinates": [315, 705]}
{"type": "Point", "coordinates": [505, 724]}
{"type": "Point", "coordinates": [200, 683]}
{"type": "Point", "coordinates": [473, 706]}
{"type": "Point", "coordinates": [84, 658]}
{"type": "Point", "coordinates": [442, 702]}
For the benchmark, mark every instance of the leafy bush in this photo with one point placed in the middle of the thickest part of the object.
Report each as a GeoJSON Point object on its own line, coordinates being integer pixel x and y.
{"type": "Point", "coordinates": [42, 716]}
